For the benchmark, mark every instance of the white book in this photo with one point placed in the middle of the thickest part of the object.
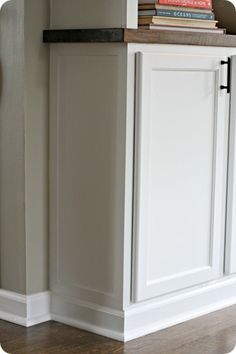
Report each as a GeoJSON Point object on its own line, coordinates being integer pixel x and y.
{"type": "Point", "coordinates": [183, 29]}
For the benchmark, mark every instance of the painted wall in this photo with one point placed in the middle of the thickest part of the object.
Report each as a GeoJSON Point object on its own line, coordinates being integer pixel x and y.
{"type": "Point", "coordinates": [93, 13]}
{"type": "Point", "coordinates": [36, 144]}
{"type": "Point", "coordinates": [23, 146]}
{"type": "Point", "coordinates": [12, 206]}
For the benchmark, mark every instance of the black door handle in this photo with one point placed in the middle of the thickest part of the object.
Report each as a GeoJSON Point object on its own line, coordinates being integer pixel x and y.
{"type": "Point", "coordinates": [224, 87]}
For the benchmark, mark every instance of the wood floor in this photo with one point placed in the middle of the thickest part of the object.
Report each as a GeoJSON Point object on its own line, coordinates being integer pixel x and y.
{"type": "Point", "coordinates": [211, 334]}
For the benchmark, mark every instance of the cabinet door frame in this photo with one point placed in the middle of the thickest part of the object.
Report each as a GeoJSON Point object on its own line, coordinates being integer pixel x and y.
{"type": "Point", "coordinates": [144, 63]}
{"type": "Point", "coordinates": [230, 245]}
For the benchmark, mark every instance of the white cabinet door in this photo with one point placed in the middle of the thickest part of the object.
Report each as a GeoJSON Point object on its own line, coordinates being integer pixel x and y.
{"type": "Point", "coordinates": [180, 172]}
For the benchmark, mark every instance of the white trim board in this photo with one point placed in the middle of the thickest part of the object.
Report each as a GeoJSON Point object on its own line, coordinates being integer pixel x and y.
{"type": "Point", "coordinates": [25, 310]}
{"type": "Point", "coordinates": [146, 317]}
{"type": "Point", "coordinates": [136, 321]}
{"type": "Point", "coordinates": [105, 332]}
{"type": "Point", "coordinates": [90, 317]}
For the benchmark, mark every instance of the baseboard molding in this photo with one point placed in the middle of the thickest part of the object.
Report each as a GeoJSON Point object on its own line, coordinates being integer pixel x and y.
{"type": "Point", "coordinates": [38, 308]}
{"type": "Point", "coordinates": [25, 310]}
{"type": "Point", "coordinates": [89, 317]}
{"type": "Point", "coordinates": [136, 321]}
{"type": "Point", "coordinates": [146, 318]}
{"type": "Point", "coordinates": [102, 331]}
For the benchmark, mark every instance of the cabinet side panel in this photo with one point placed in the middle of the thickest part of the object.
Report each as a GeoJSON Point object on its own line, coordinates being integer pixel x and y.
{"type": "Point", "coordinates": [87, 173]}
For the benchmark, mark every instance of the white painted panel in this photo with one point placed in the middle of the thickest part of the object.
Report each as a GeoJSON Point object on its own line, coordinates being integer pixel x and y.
{"type": "Point", "coordinates": [230, 254]}
{"type": "Point", "coordinates": [87, 172]}
{"type": "Point", "coordinates": [94, 14]}
{"type": "Point", "coordinates": [180, 173]}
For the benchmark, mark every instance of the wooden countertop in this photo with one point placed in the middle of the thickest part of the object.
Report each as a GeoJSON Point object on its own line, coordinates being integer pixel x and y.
{"type": "Point", "coordinates": [122, 35]}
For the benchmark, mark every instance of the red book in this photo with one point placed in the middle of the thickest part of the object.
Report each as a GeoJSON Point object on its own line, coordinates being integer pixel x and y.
{"type": "Point", "coordinates": [201, 4]}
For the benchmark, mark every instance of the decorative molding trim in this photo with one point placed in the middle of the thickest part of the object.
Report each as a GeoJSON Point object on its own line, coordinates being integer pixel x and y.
{"type": "Point", "coordinates": [13, 307]}
{"type": "Point", "coordinates": [89, 305]}
{"type": "Point", "coordinates": [25, 310]}
{"type": "Point", "coordinates": [136, 321]}
{"type": "Point", "coordinates": [7, 316]}
{"type": "Point", "coordinates": [91, 35]}
{"type": "Point", "coordinates": [90, 317]}
{"type": "Point", "coordinates": [145, 318]}
{"type": "Point", "coordinates": [105, 332]}
{"type": "Point", "coordinates": [38, 308]}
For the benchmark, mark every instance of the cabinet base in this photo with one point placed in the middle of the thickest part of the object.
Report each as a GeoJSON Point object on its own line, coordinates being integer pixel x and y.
{"type": "Point", "coordinates": [89, 317]}
{"type": "Point", "coordinates": [147, 317]}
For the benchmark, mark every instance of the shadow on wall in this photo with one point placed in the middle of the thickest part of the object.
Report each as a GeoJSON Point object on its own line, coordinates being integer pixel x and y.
{"type": "Point", "coordinates": [225, 12]}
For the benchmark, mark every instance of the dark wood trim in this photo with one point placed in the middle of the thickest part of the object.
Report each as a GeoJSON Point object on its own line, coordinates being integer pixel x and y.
{"type": "Point", "coordinates": [120, 35]}
{"type": "Point", "coordinates": [184, 38]}
{"type": "Point", "coordinates": [84, 35]}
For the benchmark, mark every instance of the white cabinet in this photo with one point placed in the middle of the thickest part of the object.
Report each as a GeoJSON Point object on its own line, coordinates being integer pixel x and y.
{"type": "Point", "coordinates": [181, 163]}
{"type": "Point", "coordinates": [142, 168]}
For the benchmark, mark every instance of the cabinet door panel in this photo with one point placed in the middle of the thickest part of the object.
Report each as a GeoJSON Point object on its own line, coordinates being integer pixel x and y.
{"type": "Point", "coordinates": [181, 146]}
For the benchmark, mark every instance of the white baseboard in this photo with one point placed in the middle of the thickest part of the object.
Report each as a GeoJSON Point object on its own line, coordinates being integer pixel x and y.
{"type": "Point", "coordinates": [25, 310]}
{"type": "Point", "coordinates": [145, 318]}
{"type": "Point", "coordinates": [136, 321]}
{"type": "Point", "coordinates": [105, 332]}
{"type": "Point", "coordinates": [90, 317]}
{"type": "Point", "coordinates": [38, 308]}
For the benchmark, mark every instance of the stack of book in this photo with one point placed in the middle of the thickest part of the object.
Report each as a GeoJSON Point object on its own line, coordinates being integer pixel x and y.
{"type": "Point", "coordinates": [178, 15]}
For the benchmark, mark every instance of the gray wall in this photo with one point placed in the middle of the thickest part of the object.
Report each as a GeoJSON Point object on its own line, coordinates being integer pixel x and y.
{"type": "Point", "coordinates": [24, 146]}
{"type": "Point", "coordinates": [12, 187]}
{"type": "Point", "coordinates": [36, 147]}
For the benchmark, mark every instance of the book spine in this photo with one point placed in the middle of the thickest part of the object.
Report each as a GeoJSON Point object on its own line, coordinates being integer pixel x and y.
{"type": "Point", "coordinates": [202, 4]}
{"type": "Point", "coordinates": [185, 14]}
{"type": "Point", "coordinates": [147, 13]}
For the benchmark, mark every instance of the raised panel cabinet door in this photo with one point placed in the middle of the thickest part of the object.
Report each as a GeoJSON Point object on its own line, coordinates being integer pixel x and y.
{"type": "Point", "coordinates": [180, 172]}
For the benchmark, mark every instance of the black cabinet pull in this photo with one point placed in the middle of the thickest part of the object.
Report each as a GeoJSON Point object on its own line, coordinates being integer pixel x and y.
{"type": "Point", "coordinates": [224, 87]}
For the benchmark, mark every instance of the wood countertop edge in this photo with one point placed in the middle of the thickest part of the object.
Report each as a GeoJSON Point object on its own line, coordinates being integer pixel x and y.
{"type": "Point", "coordinates": [174, 37]}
